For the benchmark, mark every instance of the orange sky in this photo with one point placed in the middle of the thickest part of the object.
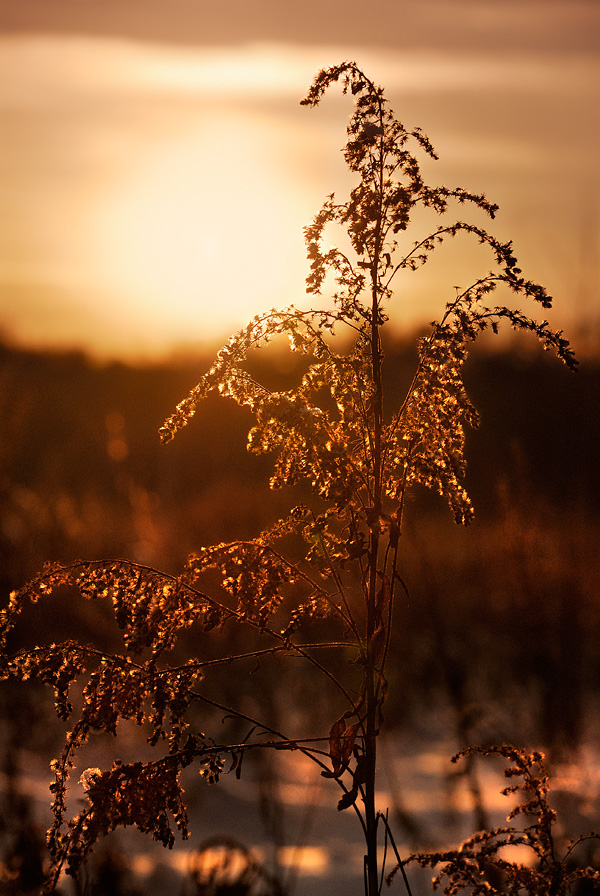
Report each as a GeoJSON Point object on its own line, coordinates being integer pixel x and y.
{"type": "Point", "coordinates": [156, 169]}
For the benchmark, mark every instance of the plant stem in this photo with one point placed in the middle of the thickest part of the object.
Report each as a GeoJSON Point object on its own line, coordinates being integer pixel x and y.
{"type": "Point", "coordinates": [372, 876]}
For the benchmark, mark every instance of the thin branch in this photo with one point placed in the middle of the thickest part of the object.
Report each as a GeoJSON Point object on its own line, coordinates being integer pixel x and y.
{"type": "Point", "coordinates": [313, 755]}
{"type": "Point", "coordinates": [396, 853]}
{"type": "Point", "coordinates": [349, 619]}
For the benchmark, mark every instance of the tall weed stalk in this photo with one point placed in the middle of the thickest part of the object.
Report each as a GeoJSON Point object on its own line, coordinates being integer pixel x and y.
{"type": "Point", "coordinates": [332, 564]}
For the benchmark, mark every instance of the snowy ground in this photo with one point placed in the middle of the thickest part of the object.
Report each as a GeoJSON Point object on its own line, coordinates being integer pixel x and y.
{"type": "Point", "coordinates": [316, 849]}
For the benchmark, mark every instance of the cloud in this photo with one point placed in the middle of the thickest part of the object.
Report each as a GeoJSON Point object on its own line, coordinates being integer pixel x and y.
{"type": "Point", "coordinates": [37, 70]}
{"type": "Point", "coordinates": [534, 26]}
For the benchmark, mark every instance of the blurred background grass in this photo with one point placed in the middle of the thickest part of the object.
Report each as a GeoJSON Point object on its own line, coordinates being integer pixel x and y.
{"type": "Point", "coordinates": [509, 602]}
{"type": "Point", "coordinates": [501, 635]}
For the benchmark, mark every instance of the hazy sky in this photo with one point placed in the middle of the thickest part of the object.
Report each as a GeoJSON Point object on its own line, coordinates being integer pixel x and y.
{"type": "Point", "coordinates": [156, 169]}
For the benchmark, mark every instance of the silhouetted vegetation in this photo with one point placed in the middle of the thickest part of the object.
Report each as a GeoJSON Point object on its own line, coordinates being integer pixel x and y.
{"type": "Point", "coordinates": [368, 449]}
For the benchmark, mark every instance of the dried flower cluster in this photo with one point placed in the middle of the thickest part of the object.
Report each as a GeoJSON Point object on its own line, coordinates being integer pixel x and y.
{"type": "Point", "coordinates": [479, 865]}
{"type": "Point", "coordinates": [336, 556]}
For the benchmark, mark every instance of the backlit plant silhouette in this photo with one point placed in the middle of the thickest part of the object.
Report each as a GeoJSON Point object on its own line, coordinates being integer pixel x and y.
{"type": "Point", "coordinates": [534, 863]}
{"type": "Point", "coordinates": [333, 561]}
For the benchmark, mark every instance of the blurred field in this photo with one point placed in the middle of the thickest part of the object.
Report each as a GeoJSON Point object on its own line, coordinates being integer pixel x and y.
{"type": "Point", "coordinates": [501, 637]}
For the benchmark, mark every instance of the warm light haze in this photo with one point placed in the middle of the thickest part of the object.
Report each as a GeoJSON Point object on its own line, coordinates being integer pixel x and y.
{"type": "Point", "coordinates": [153, 193]}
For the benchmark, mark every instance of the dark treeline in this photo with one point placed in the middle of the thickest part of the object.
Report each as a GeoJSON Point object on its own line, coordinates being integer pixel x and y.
{"type": "Point", "coordinates": [73, 428]}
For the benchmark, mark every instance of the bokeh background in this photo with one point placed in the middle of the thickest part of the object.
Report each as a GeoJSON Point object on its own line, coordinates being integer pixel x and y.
{"type": "Point", "coordinates": [157, 168]}
{"type": "Point", "coordinates": [156, 171]}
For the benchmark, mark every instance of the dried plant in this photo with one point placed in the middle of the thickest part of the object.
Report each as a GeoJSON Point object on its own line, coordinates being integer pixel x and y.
{"type": "Point", "coordinates": [531, 862]}
{"type": "Point", "coordinates": [334, 560]}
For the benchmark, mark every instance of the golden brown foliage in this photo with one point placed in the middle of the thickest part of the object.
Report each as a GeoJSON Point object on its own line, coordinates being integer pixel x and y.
{"type": "Point", "coordinates": [337, 556]}
{"type": "Point", "coordinates": [478, 866]}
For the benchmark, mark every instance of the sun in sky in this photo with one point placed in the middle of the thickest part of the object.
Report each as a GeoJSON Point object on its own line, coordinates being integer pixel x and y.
{"type": "Point", "coordinates": [207, 223]}
{"type": "Point", "coordinates": [154, 194]}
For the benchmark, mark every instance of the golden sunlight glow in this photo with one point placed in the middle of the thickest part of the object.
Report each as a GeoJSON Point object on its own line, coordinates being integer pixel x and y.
{"type": "Point", "coordinates": [205, 231]}
{"type": "Point", "coordinates": [150, 203]}
{"type": "Point", "coordinates": [154, 196]}
{"type": "Point", "coordinates": [306, 859]}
